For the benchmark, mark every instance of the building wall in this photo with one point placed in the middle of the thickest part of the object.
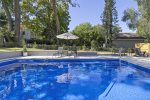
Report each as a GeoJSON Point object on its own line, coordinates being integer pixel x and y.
{"type": "Point", "coordinates": [126, 43]}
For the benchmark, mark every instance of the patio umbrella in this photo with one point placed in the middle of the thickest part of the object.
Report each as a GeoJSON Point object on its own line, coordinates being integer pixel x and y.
{"type": "Point", "coordinates": [67, 36]}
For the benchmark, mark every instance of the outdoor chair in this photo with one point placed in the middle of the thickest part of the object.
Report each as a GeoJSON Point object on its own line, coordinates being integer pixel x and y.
{"type": "Point", "coordinates": [139, 53]}
{"type": "Point", "coordinates": [60, 52]}
{"type": "Point", "coordinates": [118, 51]}
{"type": "Point", "coordinates": [72, 52]}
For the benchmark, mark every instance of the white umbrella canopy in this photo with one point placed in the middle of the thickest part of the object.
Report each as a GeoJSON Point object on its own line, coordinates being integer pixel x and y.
{"type": "Point", "coordinates": [67, 36]}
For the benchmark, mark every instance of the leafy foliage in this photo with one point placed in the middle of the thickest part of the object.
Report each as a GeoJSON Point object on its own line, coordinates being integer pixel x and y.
{"type": "Point", "coordinates": [4, 32]}
{"type": "Point", "coordinates": [87, 33]}
{"type": "Point", "coordinates": [38, 16]}
{"type": "Point", "coordinates": [109, 19]}
{"type": "Point", "coordinates": [131, 18]}
{"type": "Point", "coordinates": [140, 21]}
{"type": "Point", "coordinates": [3, 20]}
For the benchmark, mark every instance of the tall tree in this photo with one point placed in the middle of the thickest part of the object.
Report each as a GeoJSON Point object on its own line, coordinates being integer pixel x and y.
{"type": "Point", "coordinates": [88, 33]}
{"type": "Point", "coordinates": [40, 18]}
{"type": "Point", "coordinates": [5, 4]}
{"type": "Point", "coordinates": [3, 20]}
{"type": "Point", "coordinates": [139, 20]}
{"type": "Point", "coordinates": [131, 17]}
{"type": "Point", "coordinates": [143, 27]}
{"type": "Point", "coordinates": [17, 21]}
{"type": "Point", "coordinates": [109, 19]}
{"type": "Point", "coordinates": [54, 5]}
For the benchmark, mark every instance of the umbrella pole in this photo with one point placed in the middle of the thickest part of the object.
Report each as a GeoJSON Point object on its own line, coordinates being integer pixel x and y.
{"type": "Point", "coordinates": [67, 46]}
{"type": "Point", "coordinates": [57, 42]}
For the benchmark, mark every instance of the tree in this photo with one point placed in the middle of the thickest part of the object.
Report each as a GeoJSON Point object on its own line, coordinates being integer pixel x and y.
{"type": "Point", "coordinates": [140, 19]}
{"type": "Point", "coordinates": [40, 18]}
{"type": "Point", "coordinates": [109, 19]}
{"type": "Point", "coordinates": [56, 16]}
{"type": "Point", "coordinates": [17, 21]}
{"type": "Point", "coordinates": [5, 5]}
{"type": "Point", "coordinates": [131, 17]}
{"type": "Point", "coordinates": [88, 33]}
{"type": "Point", "coordinates": [4, 32]}
{"type": "Point", "coordinates": [3, 20]}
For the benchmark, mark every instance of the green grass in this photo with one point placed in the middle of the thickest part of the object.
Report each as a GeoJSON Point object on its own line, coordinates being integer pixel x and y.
{"type": "Point", "coordinates": [16, 49]}
{"type": "Point", "coordinates": [34, 49]}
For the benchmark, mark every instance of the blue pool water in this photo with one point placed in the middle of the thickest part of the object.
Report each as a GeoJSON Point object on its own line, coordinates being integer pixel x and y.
{"type": "Point", "coordinates": [73, 80]}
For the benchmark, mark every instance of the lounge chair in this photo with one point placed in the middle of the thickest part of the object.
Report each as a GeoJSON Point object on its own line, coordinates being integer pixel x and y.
{"type": "Point", "coordinates": [139, 53]}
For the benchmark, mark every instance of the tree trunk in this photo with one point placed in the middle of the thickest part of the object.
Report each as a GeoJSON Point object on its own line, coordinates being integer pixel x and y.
{"type": "Point", "coordinates": [49, 22]}
{"type": "Point", "coordinates": [9, 18]}
{"type": "Point", "coordinates": [17, 22]}
{"type": "Point", "coordinates": [56, 18]}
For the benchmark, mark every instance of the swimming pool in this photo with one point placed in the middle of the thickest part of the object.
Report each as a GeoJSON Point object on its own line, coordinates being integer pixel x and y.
{"type": "Point", "coordinates": [74, 79]}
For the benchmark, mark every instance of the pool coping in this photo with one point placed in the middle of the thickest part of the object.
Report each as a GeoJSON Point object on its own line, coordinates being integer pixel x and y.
{"type": "Point", "coordinates": [133, 60]}
{"type": "Point", "coordinates": [139, 61]}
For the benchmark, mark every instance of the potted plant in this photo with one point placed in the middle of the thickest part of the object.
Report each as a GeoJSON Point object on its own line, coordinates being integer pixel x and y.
{"type": "Point", "coordinates": [25, 53]}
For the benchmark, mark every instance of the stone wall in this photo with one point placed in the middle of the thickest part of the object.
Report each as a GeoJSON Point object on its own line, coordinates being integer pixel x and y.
{"type": "Point", "coordinates": [11, 54]}
{"type": "Point", "coordinates": [42, 53]}
{"type": "Point", "coordinates": [51, 52]}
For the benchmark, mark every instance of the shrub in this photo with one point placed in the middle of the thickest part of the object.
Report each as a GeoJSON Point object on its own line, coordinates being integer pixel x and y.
{"type": "Point", "coordinates": [53, 47]}
{"type": "Point", "coordinates": [94, 45]}
{"type": "Point", "coordinates": [24, 46]}
{"type": "Point", "coordinates": [34, 45]}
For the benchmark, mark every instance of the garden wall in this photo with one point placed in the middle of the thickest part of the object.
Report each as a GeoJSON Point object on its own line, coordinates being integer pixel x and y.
{"type": "Point", "coordinates": [11, 54]}
{"type": "Point", "coordinates": [143, 46]}
{"type": "Point", "coordinates": [51, 52]}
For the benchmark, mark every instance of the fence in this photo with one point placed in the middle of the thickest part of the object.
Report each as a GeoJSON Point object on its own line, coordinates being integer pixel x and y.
{"type": "Point", "coordinates": [143, 46]}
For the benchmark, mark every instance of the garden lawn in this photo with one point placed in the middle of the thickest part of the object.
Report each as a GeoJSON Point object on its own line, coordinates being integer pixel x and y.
{"type": "Point", "coordinates": [17, 49]}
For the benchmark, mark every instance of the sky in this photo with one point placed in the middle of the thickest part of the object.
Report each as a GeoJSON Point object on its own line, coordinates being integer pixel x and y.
{"type": "Point", "coordinates": [91, 10]}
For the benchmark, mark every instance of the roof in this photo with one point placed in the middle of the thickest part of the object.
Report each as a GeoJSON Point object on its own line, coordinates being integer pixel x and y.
{"type": "Point", "coordinates": [128, 36]}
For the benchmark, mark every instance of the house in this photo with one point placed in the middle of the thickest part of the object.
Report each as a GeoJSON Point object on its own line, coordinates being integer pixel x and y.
{"type": "Point", "coordinates": [26, 33]}
{"type": "Point", "coordinates": [127, 40]}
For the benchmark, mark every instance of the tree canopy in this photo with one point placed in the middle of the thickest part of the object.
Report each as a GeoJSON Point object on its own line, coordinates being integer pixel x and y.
{"type": "Point", "coordinates": [39, 16]}
{"type": "Point", "coordinates": [89, 33]}
{"type": "Point", "coordinates": [139, 20]}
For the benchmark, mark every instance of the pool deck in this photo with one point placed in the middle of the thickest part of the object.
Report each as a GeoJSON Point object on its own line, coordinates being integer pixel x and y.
{"type": "Point", "coordinates": [142, 61]}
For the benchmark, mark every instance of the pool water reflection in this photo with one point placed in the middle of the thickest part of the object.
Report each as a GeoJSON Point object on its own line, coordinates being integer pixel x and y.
{"type": "Point", "coordinates": [67, 80]}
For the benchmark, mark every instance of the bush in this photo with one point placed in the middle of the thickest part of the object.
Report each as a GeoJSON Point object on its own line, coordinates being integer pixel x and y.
{"type": "Point", "coordinates": [84, 47]}
{"type": "Point", "coordinates": [24, 46]}
{"type": "Point", "coordinates": [94, 45]}
{"type": "Point", "coordinates": [10, 44]}
{"type": "Point", "coordinates": [129, 50]}
{"type": "Point", "coordinates": [34, 45]}
{"type": "Point", "coordinates": [53, 47]}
